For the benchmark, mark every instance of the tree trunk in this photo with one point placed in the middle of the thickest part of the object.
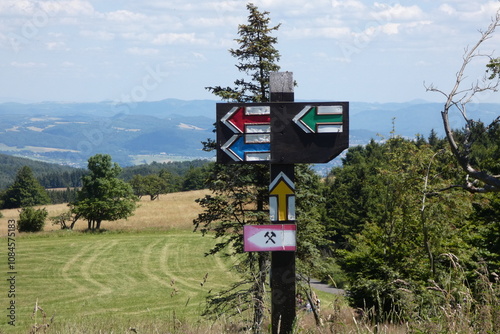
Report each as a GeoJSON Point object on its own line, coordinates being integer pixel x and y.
{"type": "Point", "coordinates": [260, 277]}
{"type": "Point", "coordinates": [259, 292]}
{"type": "Point", "coordinates": [313, 301]}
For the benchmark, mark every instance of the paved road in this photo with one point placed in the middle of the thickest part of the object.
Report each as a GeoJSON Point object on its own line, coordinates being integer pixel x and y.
{"type": "Point", "coordinates": [326, 288]}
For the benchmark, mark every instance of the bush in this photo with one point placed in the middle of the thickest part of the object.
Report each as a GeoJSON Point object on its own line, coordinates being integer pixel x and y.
{"type": "Point", "coordinates": [31, 220]}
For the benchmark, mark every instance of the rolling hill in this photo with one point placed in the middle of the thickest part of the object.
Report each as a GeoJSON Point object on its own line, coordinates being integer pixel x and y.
{"type": "Point", "coordinates": [171, 129]}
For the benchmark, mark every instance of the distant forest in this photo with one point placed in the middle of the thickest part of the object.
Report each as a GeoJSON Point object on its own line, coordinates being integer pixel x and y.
{"type": "Point", "coordinates": [185, 175]}
{"type": "Point", "coordinates": [49, 175]}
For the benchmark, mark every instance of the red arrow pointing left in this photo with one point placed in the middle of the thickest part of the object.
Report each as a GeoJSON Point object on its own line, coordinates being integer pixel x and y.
{"type": "Point", "coordinates": [248, 119]}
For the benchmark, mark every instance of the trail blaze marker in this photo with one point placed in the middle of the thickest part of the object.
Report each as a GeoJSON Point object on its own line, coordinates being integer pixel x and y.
{"type": "Point", "coordinates": [321, 119]}
{"type": "Point", "coordinates": [265, 238]}
{"type": "Point", "coordinates": [248, 119]}
{"type": "Point", "coordinates": [239, 148]}
{"type": "Point", "coordinates": [282, 198]}
{"type": "Point", "coordinates": [280, 133]}
{"type": "Point", "coordinates": [250, 126]}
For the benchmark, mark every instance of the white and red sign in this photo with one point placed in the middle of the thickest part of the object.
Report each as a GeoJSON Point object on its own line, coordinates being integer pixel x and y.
{"type": "Point", "coordinates": [267, 238]}
{"type": "Point", "coordinates": [251, 126]}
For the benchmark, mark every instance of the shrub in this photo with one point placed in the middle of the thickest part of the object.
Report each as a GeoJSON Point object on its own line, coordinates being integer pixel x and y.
{"type": "Point", "coordinates": [31, 220]}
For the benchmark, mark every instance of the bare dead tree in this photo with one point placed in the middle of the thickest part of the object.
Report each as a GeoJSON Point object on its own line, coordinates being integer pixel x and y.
{"type": "Point", "coordinates": [477, 181]}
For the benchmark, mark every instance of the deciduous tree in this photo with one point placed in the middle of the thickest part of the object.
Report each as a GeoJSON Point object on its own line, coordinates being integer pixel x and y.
{"type": "Point", "coordinates": [151, 185]}
{"type": "Point", "coordinates": [103, 196]}
{"type": "Point", "coordinates": [392, 225]}
{"type": "Point", "coordinates": [32, 220]}
{"type": "Point", "coordinates": [477, 180]}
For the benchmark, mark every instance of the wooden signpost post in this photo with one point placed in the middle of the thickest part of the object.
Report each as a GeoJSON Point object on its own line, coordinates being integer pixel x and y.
{"type": "Point", "coordinates": [280, 133]}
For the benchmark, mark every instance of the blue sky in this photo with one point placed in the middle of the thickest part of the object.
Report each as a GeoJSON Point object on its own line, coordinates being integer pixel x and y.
{"type": "Point", "coordinates": [135, 50]}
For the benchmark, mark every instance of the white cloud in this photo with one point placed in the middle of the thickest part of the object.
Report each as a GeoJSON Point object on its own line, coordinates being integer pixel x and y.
{"type": "Point", "coordinates": [324, 57]}
{"type": "Point", "coordinates": [388, 29]}
{"type": "Point", "coordinates": [137, 37]}
{"type": "Point", "coordinates": [98, 35]}
{"type": "Point", "coordinates": [193, 33]}
{"type": "Point", "coordinates": [318, 32]}
{"type": "Point", "coordinates": [177, 5]}
{"type": "Point", "coordinates": [348, 4]}
{"type": "Point", "coordinates": [177, 38]}
{"type": "Point", "coordinates": [283, 5]}
{"type": "Point", "coordinates": [484, 11]}
{"type": "Point", "coordinates": [125, 16]}
{"type": "Point", "coordinates": [96, 49]}
{"type": "Point", "coordinates": [469, 10]}
{"type": "Point", "coordinates": [199, 56]}
{"type": "Point", "coordinates": [447, 9]}
{"type": "Point", "coordinates": [142, 51]}
{"type": "Point", "coordinates": [397, 12]}
{"type": "Point", "coordinates": [31, 8]}
{"type": "Point", "coordinates": [56, 46]}
{"type": "Point", "coordinates": [27, 64]}
{"type": "Point", "coordinates": [71, 7]}
{"type": "Point", "coordinates": [225, 6]}
{"type": "Point", "coordinates": [207, 22]}
{"type": "Point", "coordinates": [17, 7]}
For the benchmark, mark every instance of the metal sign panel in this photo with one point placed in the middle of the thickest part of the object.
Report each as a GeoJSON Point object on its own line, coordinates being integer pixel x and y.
{"type": "Point", "coordinates": [266, 238]}
{"type": "Point", "coordinates": [282, 199]}
{"type": "Point", "coordinates": [281, 132]}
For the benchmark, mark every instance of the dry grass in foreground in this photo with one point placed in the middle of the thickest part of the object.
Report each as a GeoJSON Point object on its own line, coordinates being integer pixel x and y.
{"type": "Point", "coordinates": [175, 210]}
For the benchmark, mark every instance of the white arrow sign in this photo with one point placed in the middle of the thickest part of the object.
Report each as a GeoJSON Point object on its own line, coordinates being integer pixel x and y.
{"type": "Point", "coordinates": [266, 238]}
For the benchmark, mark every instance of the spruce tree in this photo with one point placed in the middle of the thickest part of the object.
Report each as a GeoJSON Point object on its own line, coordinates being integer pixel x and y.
{"type": "Point", "coordinates": [26, 191]}
{"type": "Point", "coordinates": [257, 58]}
{"type": "Point", "coordinates": [240, 192]}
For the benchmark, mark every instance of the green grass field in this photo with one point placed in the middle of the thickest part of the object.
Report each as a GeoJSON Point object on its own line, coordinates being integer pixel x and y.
{"type": "Point", "coordinates": [120, 279]}
{"type": "Point", "coordinates": [148, 273]}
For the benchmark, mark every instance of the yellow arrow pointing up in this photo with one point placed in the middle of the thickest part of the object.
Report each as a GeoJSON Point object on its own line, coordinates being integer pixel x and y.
{"type": "Point", "coordinates": [283, 189]}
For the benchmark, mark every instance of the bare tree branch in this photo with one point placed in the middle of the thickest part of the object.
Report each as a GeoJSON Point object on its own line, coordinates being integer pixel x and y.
{"type": "Point", "coordinates": [459, 98]}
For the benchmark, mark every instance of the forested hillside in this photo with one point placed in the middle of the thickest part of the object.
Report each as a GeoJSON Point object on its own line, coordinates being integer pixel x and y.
{"type": "Point", "coordinates": [411, 242]}
{"type": "Point", "coordinates": [147, 179]}
{"type": "Point", "coordinates": [57, 176]}
{"type": "Point", "coordinates": [69, 133]}
{"type": "Point", "coordinates": [49, 175]}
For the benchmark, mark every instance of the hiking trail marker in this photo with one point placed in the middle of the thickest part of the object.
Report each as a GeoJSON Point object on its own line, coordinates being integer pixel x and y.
{"type": "Point", "coordinates": [265, 238]}
{"type": "Point", "coordinates": [282, 198]}
{"type": "Point", "coordinates": [320, 119]}
{"type": "Point", "coordinates": [280, 133]}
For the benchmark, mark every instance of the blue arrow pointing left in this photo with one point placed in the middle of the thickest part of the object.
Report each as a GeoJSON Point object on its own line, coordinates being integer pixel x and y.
{"type": "Point", "coordinates": [238, 150]}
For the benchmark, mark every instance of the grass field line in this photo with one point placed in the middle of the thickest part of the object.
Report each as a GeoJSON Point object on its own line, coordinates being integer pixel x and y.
{"type": "Point", "coordinates": [81, 288]}
{"type": "Point", "coordinates": [191, 286]}
{"type": "Point", "coordinates": [167, 279]}
{"type": "Point", "coordinates": [119, 276]}
{"type": "Point", "coordinates": [77, 264]}
{"type": "Point", "coordinates": [146, 264]}
{"type": "Point", "coordinates": [86, 270]}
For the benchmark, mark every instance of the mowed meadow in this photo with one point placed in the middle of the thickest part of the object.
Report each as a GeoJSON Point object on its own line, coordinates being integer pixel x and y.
{"type": "Point", "coordinates": [147, 273]}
